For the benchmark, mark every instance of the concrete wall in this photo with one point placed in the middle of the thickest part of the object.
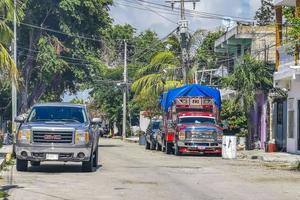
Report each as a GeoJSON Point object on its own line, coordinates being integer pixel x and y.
{"type": "Point", "coordinates": [293, 98]}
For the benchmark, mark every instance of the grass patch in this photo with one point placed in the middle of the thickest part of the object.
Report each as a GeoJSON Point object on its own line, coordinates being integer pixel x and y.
{"type": "Point", "coordinates": [3, 194]}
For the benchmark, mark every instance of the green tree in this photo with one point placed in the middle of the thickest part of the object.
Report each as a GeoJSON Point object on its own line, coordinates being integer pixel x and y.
{"type": "Point", "coordinates": [265, 14]}
{"type": "Point", "coordinates": [249, 77]}
{"type": "Point", "coordinates": [8, 68]}
{"type": "Point", "coordinates": [65, 58]}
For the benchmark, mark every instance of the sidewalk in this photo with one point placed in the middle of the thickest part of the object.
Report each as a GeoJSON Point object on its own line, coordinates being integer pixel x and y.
{"type": "Point", "coordinates": [132, 139]}
{"type": "Point", "coordinates": [292, 161]}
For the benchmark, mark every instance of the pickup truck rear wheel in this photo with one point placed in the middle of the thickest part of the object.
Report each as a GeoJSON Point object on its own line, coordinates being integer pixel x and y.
{"type": "Point", "coordinates": [87, 166]}
{"type": "Point", "coordinates": [22, 165]}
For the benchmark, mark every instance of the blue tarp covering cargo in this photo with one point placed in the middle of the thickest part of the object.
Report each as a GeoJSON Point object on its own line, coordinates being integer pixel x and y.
{"type": "Point", "coordinates": [191, 90]}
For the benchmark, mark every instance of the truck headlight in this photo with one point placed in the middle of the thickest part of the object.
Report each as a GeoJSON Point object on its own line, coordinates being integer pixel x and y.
{"type": "Point", "coordinates": [182, 135]}
{"type": "Point", "coordinates": [82, 137]}
{"type": "Point", "coordinates": [24, 136]}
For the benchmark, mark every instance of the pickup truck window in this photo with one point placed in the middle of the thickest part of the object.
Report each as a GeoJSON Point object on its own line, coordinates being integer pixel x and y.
{"type": "Point", "coordinates": [196, 120]}
{"type": "Point", "coordinates": [57, 113]}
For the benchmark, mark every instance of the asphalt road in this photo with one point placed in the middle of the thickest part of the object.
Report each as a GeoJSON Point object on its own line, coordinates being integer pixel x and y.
{"type": "Point", "coordinates": [128, 171]}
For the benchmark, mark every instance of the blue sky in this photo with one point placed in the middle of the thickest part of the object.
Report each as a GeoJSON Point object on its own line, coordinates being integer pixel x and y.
{"type": "Point", "coordinates": [142, 19]}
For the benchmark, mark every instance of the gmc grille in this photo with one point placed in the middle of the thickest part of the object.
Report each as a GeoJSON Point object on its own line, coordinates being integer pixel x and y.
{"type": "Point", "coordinates": [52, 137]}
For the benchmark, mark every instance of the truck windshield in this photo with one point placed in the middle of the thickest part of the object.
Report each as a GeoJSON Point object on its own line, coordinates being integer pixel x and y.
{"type": "Point", "coordinates": [155, 125]}
{"type": "Point", "coordinates": [196, 120]}
{"type": "Point", "coordinates": [57, 113]}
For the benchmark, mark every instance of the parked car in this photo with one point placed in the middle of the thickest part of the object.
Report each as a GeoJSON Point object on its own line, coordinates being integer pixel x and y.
{"type": "Point", "coordinates": [154, 128]}
{"type": "Point", "coordinates": [57, 132]}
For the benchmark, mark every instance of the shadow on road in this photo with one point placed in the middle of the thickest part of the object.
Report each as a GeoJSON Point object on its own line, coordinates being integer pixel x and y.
{"type": "Point", "coordinates": [59, 168]}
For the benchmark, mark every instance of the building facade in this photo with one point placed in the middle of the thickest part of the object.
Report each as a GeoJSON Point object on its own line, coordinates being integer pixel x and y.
{"type": "Point", "coordinates": [287, 78]}
{"type": "Point", "coordinates": [258, 41]}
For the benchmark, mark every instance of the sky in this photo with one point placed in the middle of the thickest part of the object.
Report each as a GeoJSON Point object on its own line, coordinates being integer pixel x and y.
{"type": "Point", "coordinates": [123, 12]}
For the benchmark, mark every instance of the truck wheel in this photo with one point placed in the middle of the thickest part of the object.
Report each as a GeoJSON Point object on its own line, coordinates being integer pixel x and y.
{"type": "Point", "coordinates": [163, 146]}
{"type": "Point", "coordinates": [35, 163]}
{"type": "Point", "coordinates": [176, 150]}
{"type": "Point", "coordinates": [95, 159]}
{"type": "Point", "coordinates": [147, 145]}
{"type": "Point", "coordinates": [158, 147]}
{"type": "Point", "coordinates": [87, 166]}
{"type": "Point", "coordinates": [22, 165]}
{"type": "Point", "coordinates": [169, 148]}
{"type": "Point", "coordinates": [152, 146]}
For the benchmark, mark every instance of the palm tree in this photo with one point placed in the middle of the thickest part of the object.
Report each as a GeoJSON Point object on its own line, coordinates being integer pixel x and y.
{"type": "Point", "coordinates": [249, 78]}
{"type": "Point", "coordinates": [8, 69]}
{"type": "Point", "coordinates": [154, 79]}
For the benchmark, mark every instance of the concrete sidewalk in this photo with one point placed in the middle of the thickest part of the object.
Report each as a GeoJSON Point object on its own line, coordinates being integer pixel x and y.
{"type": "Point", "coordinates": [132, 139]}
{"type": "Point", "coordinates": [292, 161]}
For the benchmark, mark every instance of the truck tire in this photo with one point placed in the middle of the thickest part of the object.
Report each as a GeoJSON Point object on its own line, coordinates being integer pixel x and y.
{"type": "Point", "coordinates": [163, 146]}
{"type": "Point", "coordinates": [176, 150]}
{"type": "Point", "coordinates": [158, 147]}
{"type": "Point", "coordinates": [95, 158]}
{"type": "Point", "coordinates": [87, 166]}
{"type": "Point", "coordinates": [35, 163]}
{"type": "Point", "coordinates": [22, 165]}
{"type": "Point", "coordinates": [152, 146]}
{"type": "Point", "coordinates": [147, 145]}
{"type": "Point", "coordinates": [169, 148]}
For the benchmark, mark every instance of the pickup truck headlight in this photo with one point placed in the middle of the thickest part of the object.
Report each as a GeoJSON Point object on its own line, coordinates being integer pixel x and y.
{"type": "Point", "coordinates": [24, 136]}
{"type": "Point", "coordinates": [182, 135]}
{"type": "Point", "coordinates": [82, 137]}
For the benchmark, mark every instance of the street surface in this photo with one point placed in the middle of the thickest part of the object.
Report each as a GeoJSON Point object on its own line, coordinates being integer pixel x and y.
{"type": "Point", "coordinates": [128, 171]}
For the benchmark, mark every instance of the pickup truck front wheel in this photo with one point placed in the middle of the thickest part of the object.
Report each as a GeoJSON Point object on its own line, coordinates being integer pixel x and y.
{"type": "Point", "coordinates": [95, 158]}
{"type": "Point", "coordinates": [87, 166]}
{"type": "Point", "coordinates": [22, 165]}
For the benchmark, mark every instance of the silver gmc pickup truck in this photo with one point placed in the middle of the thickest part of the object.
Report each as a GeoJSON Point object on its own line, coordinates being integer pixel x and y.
{"type": "Point", "coordinates": [57, 132]}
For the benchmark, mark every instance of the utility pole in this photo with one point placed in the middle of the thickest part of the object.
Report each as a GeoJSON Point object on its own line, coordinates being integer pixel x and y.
{"type": "Point", "coordinates": [125, 92]}
{"type": "Point", "coordinates": [13, 84]}
{"type": "Point", "coordinates": [183, 28]}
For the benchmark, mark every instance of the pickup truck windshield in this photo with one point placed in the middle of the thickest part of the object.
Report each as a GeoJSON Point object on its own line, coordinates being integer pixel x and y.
{"type": "Point", "coordinates": [196, 120]}
{"type": "Point", "coordinates": [57, 113]}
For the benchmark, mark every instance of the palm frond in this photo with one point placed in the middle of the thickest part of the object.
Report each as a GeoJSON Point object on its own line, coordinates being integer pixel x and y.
{"type": "Point", "coordinates": [8, 69]}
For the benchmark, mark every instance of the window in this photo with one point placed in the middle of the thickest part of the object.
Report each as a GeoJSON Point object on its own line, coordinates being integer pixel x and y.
{"type": "Point", "coordinates": [196, 120]}
{"type": "Point", "coordinates": [57, 113]}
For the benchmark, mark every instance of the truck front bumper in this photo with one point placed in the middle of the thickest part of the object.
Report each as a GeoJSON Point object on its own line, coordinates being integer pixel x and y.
{"type": "Point", "coordinates": [199, 147]}
{"type": "Point", "coordinates": [49, 153]}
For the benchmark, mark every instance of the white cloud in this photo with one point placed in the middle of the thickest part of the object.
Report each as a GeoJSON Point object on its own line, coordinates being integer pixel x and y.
{"type": "Point", "coordinates": [143, 19]}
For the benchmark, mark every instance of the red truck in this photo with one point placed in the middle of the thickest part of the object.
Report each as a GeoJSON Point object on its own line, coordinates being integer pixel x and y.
{"type": "Point", "coordinates": [191, 124]}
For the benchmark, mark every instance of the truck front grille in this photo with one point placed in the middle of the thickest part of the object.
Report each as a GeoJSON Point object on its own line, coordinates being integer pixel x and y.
{"type": "Point", "coordinates": [200, 135]}
{"type": "Point", "coordinates": [52, 137]}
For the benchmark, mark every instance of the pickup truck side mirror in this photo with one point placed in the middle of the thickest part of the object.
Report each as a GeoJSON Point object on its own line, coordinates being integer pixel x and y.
{"type": "Point", "coordinates": [20, 119]}
{"type": "Point", "coordinates": [96, 120]}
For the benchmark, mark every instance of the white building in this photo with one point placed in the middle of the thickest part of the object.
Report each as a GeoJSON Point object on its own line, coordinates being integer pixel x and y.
{"type": "Point", "coordinates": [287, 76]}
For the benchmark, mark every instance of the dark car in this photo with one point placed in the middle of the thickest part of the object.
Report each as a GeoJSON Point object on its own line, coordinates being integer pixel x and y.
{"type": "Point", "coordinates": [154, 129]}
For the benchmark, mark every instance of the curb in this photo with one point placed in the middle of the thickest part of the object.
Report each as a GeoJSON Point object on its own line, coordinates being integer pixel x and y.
{"type": "Point", "coordinates": [130, 140]}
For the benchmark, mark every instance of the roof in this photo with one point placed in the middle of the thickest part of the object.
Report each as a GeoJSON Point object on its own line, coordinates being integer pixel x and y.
{"type": "Point", "coordinates": [65, 104]}
{"type": "Point", "coordinates": [192, 90]}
